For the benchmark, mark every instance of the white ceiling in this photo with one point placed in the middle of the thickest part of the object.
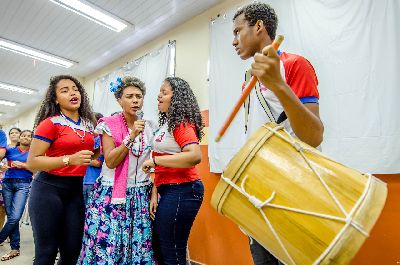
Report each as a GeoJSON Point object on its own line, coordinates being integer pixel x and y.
{"type": "Point", "coordinates": [45, 26]}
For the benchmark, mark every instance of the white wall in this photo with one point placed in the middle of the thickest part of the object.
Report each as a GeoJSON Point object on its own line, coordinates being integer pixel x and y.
{"type": "Point", "coordinates": [24, 121]}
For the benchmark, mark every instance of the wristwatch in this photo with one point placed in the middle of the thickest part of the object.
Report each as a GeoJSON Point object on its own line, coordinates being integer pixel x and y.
{"type": "Point", "coordinates": [65, 160]}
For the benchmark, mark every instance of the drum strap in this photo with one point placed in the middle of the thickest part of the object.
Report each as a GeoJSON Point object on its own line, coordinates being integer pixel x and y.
{"type": "Point", "coordinates": [267, 109]}
{"type": "Point", "coordinates": [246, 104]}
{"type": "Point", "coordinates": [264, 103]}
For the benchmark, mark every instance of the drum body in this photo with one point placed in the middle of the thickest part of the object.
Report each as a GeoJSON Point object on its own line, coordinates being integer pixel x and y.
{"type": "Point", "coordinates": [299, 204]}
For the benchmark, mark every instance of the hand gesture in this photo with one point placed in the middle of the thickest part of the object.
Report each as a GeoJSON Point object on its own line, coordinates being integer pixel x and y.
{"type": "Point", "coordinates": [18, 164]}
{"type": "Point", "coordinates": [81, 158]}
{"type": "Point", "coordinates": [3, 167]}
{"type": "Point", "coordinates": [153, 204]}
{"type": "Point", "coordinates": [138, 127]}
{"type": "Point", "coordinates": [147, 165]}
{"type": "Point", "coordinates": [266, 67]}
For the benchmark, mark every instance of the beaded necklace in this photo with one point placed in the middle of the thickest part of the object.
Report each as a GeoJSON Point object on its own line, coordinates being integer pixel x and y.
{"type": "Point", "coordinates": [70, 125]}
{"type": "Point", "coordinates": [140, 151]}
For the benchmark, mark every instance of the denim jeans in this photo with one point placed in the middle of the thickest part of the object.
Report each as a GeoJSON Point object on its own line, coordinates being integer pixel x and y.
{"type": "Point", "coordinates": [15, 193]}
{"type": "Point", "coordinates": [87, 188]}
{"type": "Point", "coordinates": [177, 209]}
{"type": "Point", "coordinates": [260, 255]}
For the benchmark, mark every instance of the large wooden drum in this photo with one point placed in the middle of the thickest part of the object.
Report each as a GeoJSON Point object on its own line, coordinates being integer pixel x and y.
{"type": "Point", "coordinates": [299, 204]}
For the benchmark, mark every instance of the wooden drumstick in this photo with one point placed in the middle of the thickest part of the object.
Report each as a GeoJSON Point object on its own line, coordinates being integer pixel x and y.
{"type": "Point", "coordinates": [246, 92]}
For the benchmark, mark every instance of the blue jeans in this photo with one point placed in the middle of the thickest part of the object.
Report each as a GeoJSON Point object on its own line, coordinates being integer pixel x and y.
{"type": "Point", "coordinates": [87, 188]}
{"type": "Point", "coordinates": [177, 209]}
{"type": "Point", "coordinates": [15, 194]}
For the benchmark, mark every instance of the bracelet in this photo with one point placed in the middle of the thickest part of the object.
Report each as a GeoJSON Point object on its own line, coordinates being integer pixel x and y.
{"type": "Point", "coordinates": [128, 144]}
{"type": "Point", "coordinates": [129, 139]}
{"type": "Point", "coordinates": [154, 161]}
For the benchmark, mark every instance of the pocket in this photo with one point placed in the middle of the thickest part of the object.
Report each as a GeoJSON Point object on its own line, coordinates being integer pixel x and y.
{"type": "Point", "coordinates": [198, 189]}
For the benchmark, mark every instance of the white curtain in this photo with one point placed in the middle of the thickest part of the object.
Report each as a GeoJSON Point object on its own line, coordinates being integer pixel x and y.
{"type": "Point", "coordinates": [226, 77]}
{"type": "Point", "coordinates": [152, 69]}
{"type": "Point", "coordinates": [353, 48]}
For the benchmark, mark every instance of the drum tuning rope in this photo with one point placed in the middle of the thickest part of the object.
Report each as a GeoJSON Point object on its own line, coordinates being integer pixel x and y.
{"type": "Point", "coordinates": [259, 204]}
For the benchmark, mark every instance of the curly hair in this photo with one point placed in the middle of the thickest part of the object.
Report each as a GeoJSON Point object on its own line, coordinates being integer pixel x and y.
{"type": "Point", "coordinates": [98, 115]}
{"type": "Point", "coordinates": [130, 81]}
{"type": "Point", "coordinates": [260, 11]}
{"type": "Point", "coordinates": [184, 107]}
{"type": "Point", "coordinates": [49, 107]}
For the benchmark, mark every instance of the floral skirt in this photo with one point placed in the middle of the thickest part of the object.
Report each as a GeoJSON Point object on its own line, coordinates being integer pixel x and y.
{"type": "Point", "coordinates": [117, 234]}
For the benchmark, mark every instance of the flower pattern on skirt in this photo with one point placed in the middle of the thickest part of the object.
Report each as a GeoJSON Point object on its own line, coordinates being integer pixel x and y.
{"type": "Point", "coordinates": [117, 234]}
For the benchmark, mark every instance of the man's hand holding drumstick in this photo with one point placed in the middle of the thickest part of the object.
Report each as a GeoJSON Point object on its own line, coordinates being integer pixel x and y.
{"type": "Point", "coordinates": [266, 67]}
{"type": "Point", "coordinates": [304, 118]}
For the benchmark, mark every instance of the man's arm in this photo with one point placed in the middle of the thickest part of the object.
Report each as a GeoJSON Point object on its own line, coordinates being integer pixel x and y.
{"type": "Point", "coordinates": [304, 118]}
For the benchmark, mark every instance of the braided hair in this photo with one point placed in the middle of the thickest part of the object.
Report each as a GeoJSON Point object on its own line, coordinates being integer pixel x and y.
{"type": "Point", "coordinates": [183, 109]}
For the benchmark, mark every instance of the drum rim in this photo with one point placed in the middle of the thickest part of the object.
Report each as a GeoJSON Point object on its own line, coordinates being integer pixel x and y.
{"type": "Point", "coordinates": [240, 162]}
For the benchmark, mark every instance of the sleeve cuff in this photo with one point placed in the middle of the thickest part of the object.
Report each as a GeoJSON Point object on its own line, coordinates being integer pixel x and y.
{"type": "Point", "coordinates": [306, 100]}
{"type": "Point", "coordinates": [43, 138]}
{"type": "Point", "coordinates": [183, 146]}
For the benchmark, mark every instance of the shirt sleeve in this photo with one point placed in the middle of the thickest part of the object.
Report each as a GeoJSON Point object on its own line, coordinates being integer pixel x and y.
{"type": "Point", "coordinates": [185, 134]}
{"type": "Point", "coordinates": [301, 77]}
{"type": "Point", "coordinates": [3, 139]}
{"type": "Point", "coordinates": [46, 131]}
{"type": "Point", "coordinates": [101, 128]}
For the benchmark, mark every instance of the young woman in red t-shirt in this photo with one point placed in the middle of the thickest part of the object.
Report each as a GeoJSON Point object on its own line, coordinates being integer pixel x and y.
{"type": "Point", "coordinates": [176, 151]}
{"type": "Point", "coordinates": [62, 148]}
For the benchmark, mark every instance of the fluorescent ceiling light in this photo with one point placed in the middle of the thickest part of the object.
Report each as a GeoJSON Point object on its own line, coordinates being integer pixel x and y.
{"type": "Point", "coordinates": [16, 88]}
{"type": "Point", "coordinates": [33, 53]}
{"type": "Point", "coordinates": [92, 13]}
{"type": "Point", "coordinates": [7, 103]}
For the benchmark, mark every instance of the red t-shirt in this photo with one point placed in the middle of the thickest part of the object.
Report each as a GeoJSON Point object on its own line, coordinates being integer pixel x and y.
{"type": "Point", "coordinates": [300, 76]}
{"type": "Point", "coordinates": [167, 144]}
{"type": "Point", "coordinates": [63, 141]}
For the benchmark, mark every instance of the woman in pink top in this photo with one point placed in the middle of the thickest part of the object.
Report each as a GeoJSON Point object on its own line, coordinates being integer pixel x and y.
{"type": "Point", "coordinates": [118, 225]}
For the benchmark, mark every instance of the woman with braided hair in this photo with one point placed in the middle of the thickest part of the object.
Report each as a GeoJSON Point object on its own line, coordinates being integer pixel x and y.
{"type": "Point", "coordinates": [176, 152]}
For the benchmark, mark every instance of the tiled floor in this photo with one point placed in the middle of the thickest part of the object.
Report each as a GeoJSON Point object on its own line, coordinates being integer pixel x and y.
{"type": "Point", "coordinates": [27, 248]}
